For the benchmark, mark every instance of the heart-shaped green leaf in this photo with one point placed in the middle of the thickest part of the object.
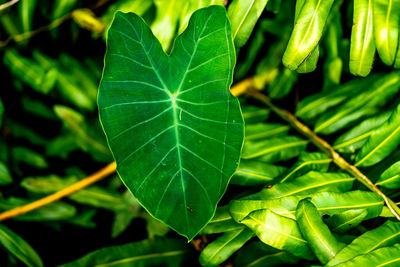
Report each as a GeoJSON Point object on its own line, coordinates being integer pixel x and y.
{"type": "Point", "coordinates": [173, 126]}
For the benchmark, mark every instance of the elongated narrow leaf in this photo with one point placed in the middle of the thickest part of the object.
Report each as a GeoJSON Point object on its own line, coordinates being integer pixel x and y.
{"type": "Point", "coordinates": [362, 45]}
{"type": "Point", "coordinates": [224, 246]}
{"type": "Point", "coordinates": [274, 149]}
{"type": "Point", "coordinates": [243, 15]}
{"type": "Point", "coordinates": [390, 178]}
{"type": "Point", "coordinates": [388, 256]}
{"type": "Point", "coordinates": [184, 138]}
{"type": "Point", "coordinates": [342, 222]}
{"type": "Point", "coordinates": [322, 242]}
{"type": "Point", "coordinates": [5, 176]}
{"type": "Point", "coordinates": [383, 236]}
{"type": "Point", "coordinates": [19, 247]}
{"type": "Point", "coordinates": [168, 252]}
{"type": "Point", "coordinates": [26, 10]}
{"type": "Point", "coordinates": [264, 130]}
{"type": "Point", "coordinates": [221, 222]}
{"type": "Point", "coordinates": [361, 105]}
{"type": "Point", "coordinates": [352, 140]}
{"type": "Point", "coordinates": [327, 203]}
{"type": "Point", "coordinates": [316, 104]}
{"type": "Point", "coordinates": [312, 182]}
{"type": "Point", "coordinates": [191, 6]}
{"type": "Point", "coordinates": [253, 172]}
{"type": "Point", "coordinates": [382, 142]}
{"type": "Point", "coordinates": [386, 28]}
{"type": "Point", "coordinates": [307, 32]}
{"type": "Point", "coordinates": [257, 254]}
{"type": "Point", "coordinates": [307, 161]}
{"type": "Point", "coordinates": [310, 63]}
{"type": "Point", "coordinates": [278, 232]}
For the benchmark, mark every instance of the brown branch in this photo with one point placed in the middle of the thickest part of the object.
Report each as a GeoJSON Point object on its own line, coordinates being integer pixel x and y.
{"type": "Point", "coordinates": [109, 169]}
{"type": "Point", "coordinates": [325, 147]}
{"type": "Point", "coordinates": [8, 4]}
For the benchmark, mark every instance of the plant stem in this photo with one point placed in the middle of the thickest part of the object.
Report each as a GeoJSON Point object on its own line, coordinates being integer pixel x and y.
{"type": "Point", "coordinates": [109, 169]}
{"type": "Point", "coordinates": [325, 147]}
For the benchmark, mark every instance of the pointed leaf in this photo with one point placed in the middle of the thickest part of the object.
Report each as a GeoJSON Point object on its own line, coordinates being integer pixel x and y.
{"type": "Point", "coordinates": [383, 236]}
{"type": "Point", "coordinates": [274, 149]}
{"type": "Point", "coordinates": [278, 232]}
{"type": "Point", "coordinates": [342, 222]}
{"type": "Point", "coordinates": [362, 44]}
{"type": "Point", "coordinates": [243, 15]}
{"type": "Point", "coordinates": [252, 173]}
{"type": "Point", "coordinates": [312, 182]}
{"type": "Point", "coordinates": [390, 178]}
{"type": "Point", "coordinates": [224, 246]}
{"type": "Point", "coordinates": [322, 242]}
{"type": "Point", "coordinates": [352, 140]}
{"type": "Point", "coordinates": [327, 203]}
{"type": "Point", "coordinates": [307, 161]}
{"type": "Point", "coordinates": [19, 247]}
{"type": "Point", "coordinates": [382, 142]}
{"type": "Point", "coordinates": [152, 120]}
{"type": "Point", "coordinates": [386, 28]}
{"type": "Point", "coordinates": [307, 32]}
{"type": "Point", "coordinates": [264, 130]}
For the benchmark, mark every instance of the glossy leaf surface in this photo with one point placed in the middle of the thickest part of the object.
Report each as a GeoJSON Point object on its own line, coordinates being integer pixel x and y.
{"type": "Point", "coordinates": [176, 124]}
{"type": "Point", "coordinates": [346, 220]}
{"type": "Point", "coordinates": [382, 142]}
{"type": "Point", "coordinates": [19, 247]}
{"type": "Point", "coordinates": [322, 242]}
{"type": "Point", "coordinates": [383, 236]}
{"type": "Point", "coordinates": [362, 45]}
{"type": "Point", "coordinates": [390, 178]}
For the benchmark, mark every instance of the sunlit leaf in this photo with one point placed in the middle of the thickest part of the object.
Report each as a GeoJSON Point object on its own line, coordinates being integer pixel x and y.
{"type": "Point", "coordinates": [342, 222]}
{"type": "Point", "coordinates": [324, 245]}
{"type": "Point", "coordinates": [381, 142]}
{"type": "Point", "coordinates": [253, 172]}
{"type": "Point", "coordinates": [383, 236]}
{"type": "Point", "coordinates": [221, 222]}
{"type": "Point", "coordinates": [390, 178]}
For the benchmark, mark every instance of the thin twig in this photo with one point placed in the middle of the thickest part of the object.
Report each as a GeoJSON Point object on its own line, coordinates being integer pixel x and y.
{"type": "Point", "coordinates": [325, 147]}
{"type": "Point", "coordinates": [26, 35]}
{"type": "Point", "coordinates": [8, 4]}
{"type": "Point", "coordinates": [109, 169]}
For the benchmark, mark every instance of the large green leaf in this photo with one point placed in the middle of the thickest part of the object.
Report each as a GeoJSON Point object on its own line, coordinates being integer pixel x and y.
{"type": "Point", "coordinates": [386, 28]}
{"type": "Point", "coordinates": [362, 45]}
{"type": "Point", "coordinates": [327, 203]}
{"type": "Point", "coordinates": [224, 246]}
{"type": "Point", "coordinates": [278, 232]}
{"type": "Point", "coordinates": [307, 32]}
{"type": "Point", "coordinates": [390, 178]}
{"type": "Point", "coordinates": [243, 15]}
{"type": "Point", "coordinates": [322, 242]}
{"type": "Point", "coordinates": [382, 142]}
{"type": "Point", "coordinates": [164, 252]}
{"type": "Point", "coordinates": [175, 130]}
{"type": "Point", "coordinates": [19, 247]}
{"type": "Point", "coordinates": [383, 236]}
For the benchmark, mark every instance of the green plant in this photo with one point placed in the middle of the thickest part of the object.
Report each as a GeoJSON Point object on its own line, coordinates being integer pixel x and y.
{"type": "Point", "coordinates": [245, 181]}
